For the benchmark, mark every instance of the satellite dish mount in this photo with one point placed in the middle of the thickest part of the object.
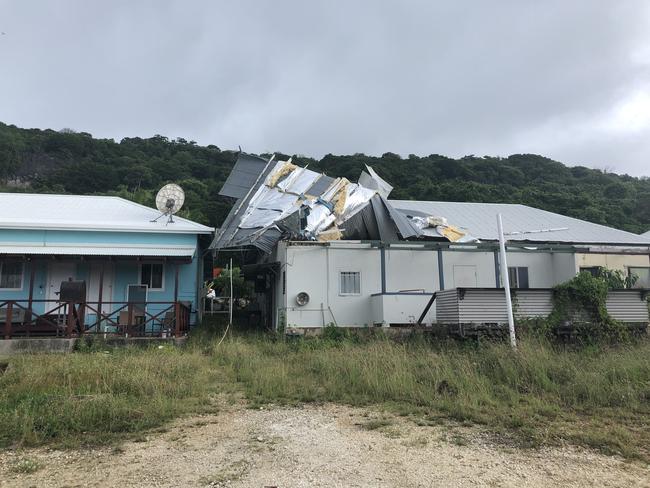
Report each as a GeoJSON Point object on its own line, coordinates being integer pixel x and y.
{"type": "Point", "coordinates": [169, 200]}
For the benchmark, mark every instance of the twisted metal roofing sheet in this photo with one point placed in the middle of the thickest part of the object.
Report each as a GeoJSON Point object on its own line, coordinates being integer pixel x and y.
{"type": "Point", "coordinates": [243, 175]}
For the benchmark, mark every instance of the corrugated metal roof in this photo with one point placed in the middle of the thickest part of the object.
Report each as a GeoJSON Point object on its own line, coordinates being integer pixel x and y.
{"type": "Point", "coordinates": [243, 175]}
{"type": "Point", "coordinates": [229, 234]}
{"type": "Point", "coordinates": [479, 220]}
{"type": "Point", "coordinates": [92, 213]}
{"type": "Point", "coordinates": [647, 235]}
{"type": "Point", "coordinates": [99, 250]}
{"type": "Point", "coordinates": [265, 211]}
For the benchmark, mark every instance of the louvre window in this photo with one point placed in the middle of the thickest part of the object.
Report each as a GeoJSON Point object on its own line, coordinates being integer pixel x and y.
{"type": "Point", "coordinates": [518, 277]}
{"type": "Point", "coordinates": [350, 283]}
{"type": "Point", "coordinates": [11, 275]}
{"type": "Point", "coordinates": [151, 274]}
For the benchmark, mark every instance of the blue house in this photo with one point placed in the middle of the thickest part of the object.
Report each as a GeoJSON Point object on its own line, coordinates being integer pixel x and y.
{"type": "Point", "coordinates": [74, 264]}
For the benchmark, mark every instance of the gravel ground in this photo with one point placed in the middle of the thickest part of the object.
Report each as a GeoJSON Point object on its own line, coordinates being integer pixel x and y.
{"type": "Point", "coordinates": [315, 446]}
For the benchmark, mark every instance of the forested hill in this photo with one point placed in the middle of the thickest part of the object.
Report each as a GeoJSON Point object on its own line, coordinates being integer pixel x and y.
{"type": "Point", "coordinates": [74, 162]}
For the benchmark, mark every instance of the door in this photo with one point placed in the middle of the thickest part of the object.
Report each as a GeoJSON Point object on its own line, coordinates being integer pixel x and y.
{"type": "Point", "coordinates": [56, 273]}
{"type": "Point", "coordinates": [465, 276]}
{"type": "Point", "coordinates": [92, 294]}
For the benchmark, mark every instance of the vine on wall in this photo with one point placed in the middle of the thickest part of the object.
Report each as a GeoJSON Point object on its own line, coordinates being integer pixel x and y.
{"type": "Point", "coordinates": [582, 303]}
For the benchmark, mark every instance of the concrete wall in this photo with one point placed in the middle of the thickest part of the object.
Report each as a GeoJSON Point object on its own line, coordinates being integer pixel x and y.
{"type": "Point", "coordinates": [51, 345]}
{"type": "Point", "coordinates": [48, 345]}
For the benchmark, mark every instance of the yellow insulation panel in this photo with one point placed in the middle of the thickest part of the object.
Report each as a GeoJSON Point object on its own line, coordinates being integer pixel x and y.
{"type": "Point", "coordinates": [284, 170]}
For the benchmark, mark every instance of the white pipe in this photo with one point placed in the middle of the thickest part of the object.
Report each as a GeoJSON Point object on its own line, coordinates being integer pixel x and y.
{"type": "Point", "coordinates": [505, 281]}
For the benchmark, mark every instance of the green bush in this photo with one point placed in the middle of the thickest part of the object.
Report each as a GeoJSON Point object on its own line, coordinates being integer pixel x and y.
{"type": "Point", "coordinates": [582, 302]}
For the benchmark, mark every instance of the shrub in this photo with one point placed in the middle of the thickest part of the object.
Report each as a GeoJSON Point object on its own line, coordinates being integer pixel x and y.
{"type": "Point", "coordinates": [582, 302]}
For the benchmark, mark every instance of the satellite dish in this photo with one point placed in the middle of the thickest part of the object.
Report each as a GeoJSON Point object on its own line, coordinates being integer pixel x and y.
{"type": "Point", "coordinates": [169, 200]}
{"type": "Point", "coordinates": [302, 298]}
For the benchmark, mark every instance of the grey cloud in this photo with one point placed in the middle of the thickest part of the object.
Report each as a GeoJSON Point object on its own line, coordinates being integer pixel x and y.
{"type": "Point", "coordinates": [456, 78]}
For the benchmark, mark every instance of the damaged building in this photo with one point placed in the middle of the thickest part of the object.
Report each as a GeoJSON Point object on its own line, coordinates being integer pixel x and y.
{"type": "Point", "coordinates": [324, 250]}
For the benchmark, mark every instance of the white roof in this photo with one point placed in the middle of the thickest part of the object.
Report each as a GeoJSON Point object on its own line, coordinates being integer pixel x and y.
{"type": "Point", "coordinates": [646, 234]}
{"type": "Point", "coordinates": [480, 220]}
{"type": "Point", "coordinates": [89, 213]}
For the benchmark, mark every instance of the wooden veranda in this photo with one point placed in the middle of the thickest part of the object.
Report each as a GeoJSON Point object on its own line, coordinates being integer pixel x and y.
{"type": "Point", "coordinates": [74, 319]}
{"type": "Point", "coordinates": [31, 317]}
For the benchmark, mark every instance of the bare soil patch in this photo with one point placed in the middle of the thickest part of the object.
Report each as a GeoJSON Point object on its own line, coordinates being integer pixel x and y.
{"type": "Point", "coordinates": [315, 446]}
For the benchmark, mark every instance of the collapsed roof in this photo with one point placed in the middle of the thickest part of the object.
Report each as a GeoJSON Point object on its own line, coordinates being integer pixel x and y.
{"type": "Point", "coordinates": [277, 199]}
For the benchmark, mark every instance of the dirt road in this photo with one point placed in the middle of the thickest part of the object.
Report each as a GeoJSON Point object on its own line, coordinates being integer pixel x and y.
{"type": "Point", "coordinates": [326, 446]}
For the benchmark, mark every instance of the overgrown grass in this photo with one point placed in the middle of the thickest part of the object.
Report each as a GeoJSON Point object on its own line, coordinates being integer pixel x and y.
{"type": "Point", "coordinates": [97, 397]}
{"type": "Point", "coordinates": [542, 394]}
{"type": "Point", "coordinates": [597, 396]}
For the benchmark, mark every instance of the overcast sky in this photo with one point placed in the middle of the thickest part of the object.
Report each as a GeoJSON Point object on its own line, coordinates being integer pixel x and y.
{"type": "Point", "coordinates": [569, 79]}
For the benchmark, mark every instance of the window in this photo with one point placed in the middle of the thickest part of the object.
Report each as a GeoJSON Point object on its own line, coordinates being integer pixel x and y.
{"type": "Point", "coordinates": [350, 283]}
{"type": "Point", "coordinates": [11, 275]}
{"type": "Point", "coordinates": [592, 270]}
{"type": "Point", "coordinates": [151, 274]}
{"type": "Point", "coordinates": [518, 277]}
{"type": "Point", "coordinates": [642, 277]}
{"type": "Point", "coordinates": [284, 282]}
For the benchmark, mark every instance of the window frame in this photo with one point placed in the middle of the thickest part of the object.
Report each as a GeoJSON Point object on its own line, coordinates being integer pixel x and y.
{"type": "Point", "coordinates": [162, 281]}
{"type": "Point", "coordinates": [22, 274]}
{"type": "Point", "coordinates": [347, 294]}
{"type": "Point", "coordinates": [592, 270]}
{"type": "Point", "coordinates": [629, 273]}
{"type": "Point", "coordinates": [517, 276]}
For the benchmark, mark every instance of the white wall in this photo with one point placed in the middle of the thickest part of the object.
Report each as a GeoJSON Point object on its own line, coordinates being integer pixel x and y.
{"type": "Point", "coordinates": [315, 269]}
{"type": "Point", "coordinates": [411, 270]}
{"type": "Point", "coordinates": [541, 270]}
{"type": "Point", "coordinates": [306, 270]}
{"type": "Point", "coordinates": [564, 266]}
{"type": "Point", "coordinates": [353, 310]}
{"type": "Point", "coordinates": [483, 263]}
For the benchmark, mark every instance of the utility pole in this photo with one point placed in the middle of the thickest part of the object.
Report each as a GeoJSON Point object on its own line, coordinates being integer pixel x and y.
{"type": "Point", "coordinates": [505, 277]}
{"type": "Point", "coordinates": [505, 281]}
